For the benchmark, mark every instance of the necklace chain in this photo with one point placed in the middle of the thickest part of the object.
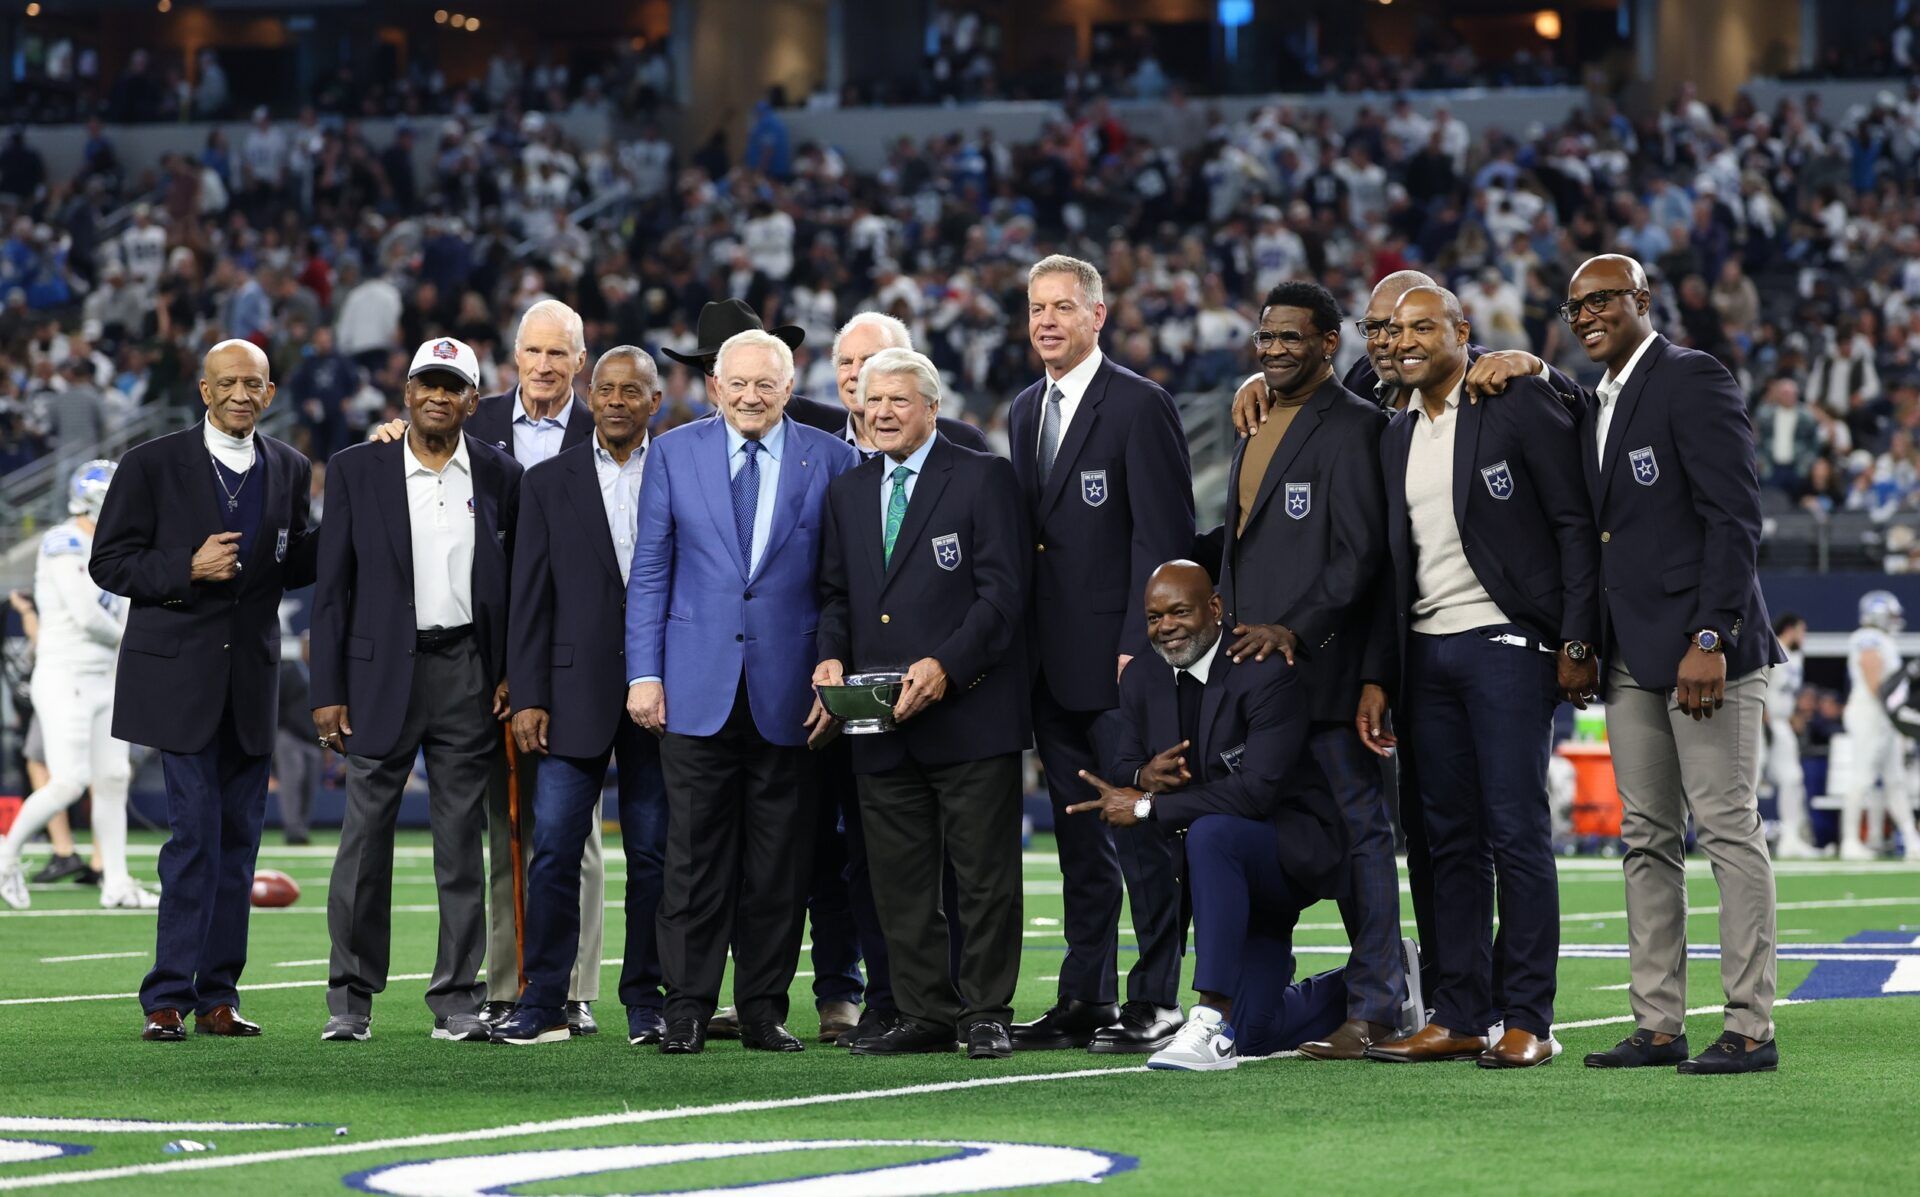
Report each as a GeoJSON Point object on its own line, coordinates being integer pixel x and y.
{"type": "Point", "coordinates": [233, 495]}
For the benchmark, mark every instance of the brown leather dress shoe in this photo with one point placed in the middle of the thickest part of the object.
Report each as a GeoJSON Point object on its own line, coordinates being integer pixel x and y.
{"type": "Point", "coordinates": [1349, 1041]}
{"type": "Point", "coordinates": [164, 1026]}
{"type": "Point", "coordinates": [1518, 1049]}
{"type": "Point", "coordinates": [1429, 1043]}
{"type": "Point", "coordinates": [224, 1020]}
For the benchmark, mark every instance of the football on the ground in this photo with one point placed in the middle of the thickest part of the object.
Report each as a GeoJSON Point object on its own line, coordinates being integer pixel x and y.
{"type": "Point", "coordinates": [271, 887]}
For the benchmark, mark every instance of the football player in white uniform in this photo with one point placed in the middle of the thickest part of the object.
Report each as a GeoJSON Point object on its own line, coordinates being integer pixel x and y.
{"type": "Point", "coordinates": [1879, 751]}
{"type": "Point", "coordinates": [80, 627]}
{"type": "Point", "coordinates": [1782, 759]}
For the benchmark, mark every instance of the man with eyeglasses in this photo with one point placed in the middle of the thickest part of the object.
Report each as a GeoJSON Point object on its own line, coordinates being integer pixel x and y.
{"type": "Point", "coordinates": [1303, 546]}
{"type": "Point", "coordinates": [1667, 454]}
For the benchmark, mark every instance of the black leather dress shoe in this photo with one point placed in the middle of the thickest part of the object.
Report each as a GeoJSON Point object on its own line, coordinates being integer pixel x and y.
{"type": "Point", "coordinates": [1144, 1028]}
{"type": "Point", "coordinates": [1638, 1050]}
{"type": "Point", "coordinates": [872, 1022]}
{"type": "Point", "coordinates": [580, 1018]}
{"type": "Point", "coordinates": [1728, 1054]}
{"type": "Point", "coordinates": [988, 1041]}
{"type": "Point", "coordinates": [685, 1037]}
{"type": "Point", "coordinates": [904, 1037]}
{"type": "Point", "coordinates": [495, 1013]}
{"type": "Point", "coordinates": [645, 1025]}
{"type": "Point", "coordinates": [1072, 1023]}
{"type": "Point", "coordinates": [768, 1037]}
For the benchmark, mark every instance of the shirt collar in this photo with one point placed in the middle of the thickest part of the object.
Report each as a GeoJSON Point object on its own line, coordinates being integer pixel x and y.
{"type": "Point", "coordinates": [520, 415]}
{"type": "Point", "coordinates": [1074, 382]}
{"type": "Point", "coordinates": [1419, 403]}
{"type": "Point", "coordinates": [602, 457]}
{"type": "Point", "coordinates": [216, 439]}
{"type": "Point", "coordinates": [916, 460]}
{"type": "Point", "coordinates": [1201, 668]}
{"type": "Point", "coordinates": [459, 460]}
{"type": "Point", "coordinates": [771, 444]}
{"type": "Point", "coordinates": [1615, 385]}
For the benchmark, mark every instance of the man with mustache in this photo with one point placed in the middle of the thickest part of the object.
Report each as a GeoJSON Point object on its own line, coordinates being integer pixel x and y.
{"type": "Point", "coordinates": [1304, 548]}
{"type": "Point", "coordinates": [1220, 748]}
{"type": "Point", "coordinates": [1667, 455]}
{"type": "Point", "coordinates": [1495, 602]}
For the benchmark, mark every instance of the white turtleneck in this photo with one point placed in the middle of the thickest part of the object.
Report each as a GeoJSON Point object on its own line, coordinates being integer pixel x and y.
{"type": "Point", "coordinates": [234, 452]}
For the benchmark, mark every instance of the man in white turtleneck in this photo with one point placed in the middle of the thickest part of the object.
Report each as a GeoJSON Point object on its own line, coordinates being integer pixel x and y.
{"type": "Point", "coordinates": [204, 531]}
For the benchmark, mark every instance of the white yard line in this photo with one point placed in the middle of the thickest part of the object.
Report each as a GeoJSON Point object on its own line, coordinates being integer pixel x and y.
{"type": "Point", "coordinates": [524, 1129]}
{"type": "Point", "coordinates": [93, 956]}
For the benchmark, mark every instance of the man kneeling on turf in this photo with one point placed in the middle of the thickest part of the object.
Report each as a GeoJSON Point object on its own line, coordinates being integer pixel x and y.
{"type": "Point", "coordinates": [1220, 749]}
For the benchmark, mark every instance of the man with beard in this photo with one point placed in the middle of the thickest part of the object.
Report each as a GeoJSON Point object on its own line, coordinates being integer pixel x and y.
{"type": "Point", "coordinates": [1304, 547]}
{"type": "Point", "coordinates": [1265, 839]}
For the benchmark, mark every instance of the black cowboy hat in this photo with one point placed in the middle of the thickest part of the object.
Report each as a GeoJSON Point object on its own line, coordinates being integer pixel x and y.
{"type": "Point", "coordinates": [722, 319]}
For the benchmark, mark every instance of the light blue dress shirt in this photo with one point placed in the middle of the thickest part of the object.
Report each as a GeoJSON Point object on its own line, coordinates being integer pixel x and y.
{"type": "Point", "coordinates": [536, 440]}
{"type": "Point", "coordinates": [772, 446]}
{"type": "Point", "coordinates": [916, 461]}
{"type": "Point", "coordinates": [620, 494]}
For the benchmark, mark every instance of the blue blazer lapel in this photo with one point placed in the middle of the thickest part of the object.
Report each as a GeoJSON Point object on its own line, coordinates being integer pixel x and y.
{"type": "Point", "coordinates": [390, 488]}
{"type": "Point", "coordinates": [1219, 677]}
{"type": "Point", "coordinates": [198, 480]}
{"type": "Point", "coordinates": [273, 481]}
{"type": "Point", "coordinates": [926, 496]}
{"type": "Point", "coordinates": [796, 471]}
{"type": "Point", "coordinates": [1466, 445]}
{"type": "Point", "coordinates": [711, 468]}
{"type": "Point", "coordinates": [1624, 408]}
{"type": "Point", "coordinates": [1021, 434]}
{"type": "Point", "coordinates": [1084, 418]}
{"type": "Point", "coordinates": [583, 494]}
{"type": "Point", "coordinates": [489, 547]}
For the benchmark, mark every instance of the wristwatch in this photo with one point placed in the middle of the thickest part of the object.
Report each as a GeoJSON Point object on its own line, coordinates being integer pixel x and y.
{"type": "Point", "coordinates": [1143, 807]}
{"type": "Point", "coordinates": [1576, 650]}
{"type": "Point", "coordinates": [1706, 640]}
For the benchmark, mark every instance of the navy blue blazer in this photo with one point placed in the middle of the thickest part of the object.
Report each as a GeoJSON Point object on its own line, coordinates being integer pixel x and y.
{"type": "Point", "coordinates": [1524, 519]}
{"type": "Point", "coordinates": [567, 618]}
{"type": "Point", "coordinates": [1251, 760]}
{"type": "Point", "coordinates": [955, 590]}
{"type": "Point", "coordinates": [1117, 506]}
{"type": "Point", "coordinates": [363, 619]}
{"type": "Point", "coordinates": [1362, 379]}
{"type": "Point", "coordinates": [1678, 505]}
{"type": "Point", "coordinates": [1315, 547]}
{"type": "Point", "coordinates": [492, 422]}
{"type": "Point", "coordinates": [832, 417]}
{"type": "Point", "coordinates": [193, 650]}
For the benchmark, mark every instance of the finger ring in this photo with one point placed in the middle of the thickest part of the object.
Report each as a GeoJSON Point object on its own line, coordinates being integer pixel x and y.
{"type": "Point", "coordinates": [323, 741]}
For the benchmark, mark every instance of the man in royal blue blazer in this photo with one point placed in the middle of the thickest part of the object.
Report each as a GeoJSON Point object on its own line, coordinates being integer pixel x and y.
{"type": "Point", "coordinates": [1666, 454]}
{"type": "Point", "coordinates": [409, 653]}
{"type": "Point", "coordinates": [204, 531]}
{"type": "Point", "coordinates": [1496, 607]}
{"type": "Point", "coordinates": [1102, 463]}
{"type": "Point", "coordinates": [567, 681]}
{"type": "Point", "coordinates": [925, 567]}
{"type": "Point", "coordinates": [1219, 748]}
{"type": "Point", "coordinates": [721, 619]}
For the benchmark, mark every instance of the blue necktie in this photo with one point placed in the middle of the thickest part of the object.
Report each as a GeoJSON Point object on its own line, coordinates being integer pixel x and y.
{"type": "Point", "coordinates": [746, 499]}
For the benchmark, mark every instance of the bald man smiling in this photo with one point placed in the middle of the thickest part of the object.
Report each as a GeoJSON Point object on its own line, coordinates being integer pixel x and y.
{"type": "Point", "coordinates": [205, 530]}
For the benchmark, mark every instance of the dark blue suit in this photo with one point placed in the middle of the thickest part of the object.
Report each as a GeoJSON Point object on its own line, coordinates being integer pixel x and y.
{"type": "Point", "coordinates": [492, 422]}
{"type": "Point", "coordinates": [1480, 712]}
{"type": "Point", "coordinates": [945, 784]}
{"type": "Point", "coordinates": [832, 417]}
{"type": "Point", "coordinates": [569, 604]}
{"type": "Point", "coordinates": [1311, 556]}
{"type": "Point", "coordinates": [198, 679]}
{"type": "Point", "coordinates": [1117, 505]}
{"type": "Point", "coordinates": [1264, 839]}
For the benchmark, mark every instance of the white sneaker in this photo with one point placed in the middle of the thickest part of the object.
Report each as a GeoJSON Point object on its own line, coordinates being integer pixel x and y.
{"type": "Point", "coordinates": [128, 895]}
{"type": "Point", "coordinates": [1204, 1044]}
{"type": "Point", "coordinates": [1856, 851]}
{"type": "Point", "coordinates": [13, 885]}
{"type": "Point", "coordinates": [1792, 846]}
{"type": "Point", "coordinates": [1413, 1011]}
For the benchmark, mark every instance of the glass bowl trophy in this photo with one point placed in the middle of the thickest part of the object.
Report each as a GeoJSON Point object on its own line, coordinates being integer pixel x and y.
{"type": "Point", "coordinates": [864, 705]}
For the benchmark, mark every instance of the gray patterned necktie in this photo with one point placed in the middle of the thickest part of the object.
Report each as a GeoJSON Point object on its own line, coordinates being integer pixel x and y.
{"type": "Point", "coordinates": [1050, 432]}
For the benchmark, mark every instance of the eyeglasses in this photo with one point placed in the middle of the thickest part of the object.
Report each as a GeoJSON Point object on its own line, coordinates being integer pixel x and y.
{"type": "Point", "coordinates": [1369, 329]}
{"type": "Point", "coordinates": [1595, 302]}
{"type": "Point", "coordinates": [1263, 340]}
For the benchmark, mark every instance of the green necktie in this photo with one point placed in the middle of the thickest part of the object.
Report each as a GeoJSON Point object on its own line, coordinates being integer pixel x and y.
{"type": "Point", "coordinates": [896, 511]}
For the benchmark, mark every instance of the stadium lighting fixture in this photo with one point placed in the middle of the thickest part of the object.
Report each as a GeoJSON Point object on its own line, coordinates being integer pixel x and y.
{"type": "Point", "coordinates": [33, 10]}
{"type": "Point", "coordinates": [1546, 23]}
{"type": "Point", "coordinates": [457, 20]}
{"type": "Point", "coordinates": [165, 6]}
{"type": "Point", "coordinates": [439, 16]}
{"type": "Point", "coordinates": [473, 24]}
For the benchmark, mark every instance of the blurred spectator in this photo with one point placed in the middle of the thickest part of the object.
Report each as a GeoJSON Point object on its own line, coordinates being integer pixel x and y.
{"type": "Point", "coordinates": [1787, 435]}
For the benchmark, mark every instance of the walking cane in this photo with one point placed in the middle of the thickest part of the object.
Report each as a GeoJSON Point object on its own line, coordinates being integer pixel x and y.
{"type": "Point", "coordinates": [513, 855]}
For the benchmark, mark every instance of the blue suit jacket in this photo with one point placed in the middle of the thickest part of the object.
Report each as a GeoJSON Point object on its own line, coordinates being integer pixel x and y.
{"type": "Point", "coordinates": [1117, 506]}
{"type": "Point", "coordinates": [1523, 516]}
{"type": "Point", "coordinates": [969, 615]}
{"type": "Point", "coordinates": [363, 617]}
{"type": "Point", "coordinates": [566, 623]}
{"type": "Point", "coordinates": [1315, 548]}
{"type": "Point", "coordinates": [1678, 505]}
{"type": "Point", "coordinates": [192, 649]}
{"type": "Point", "coordinates": [1251, 759]}
{"type": "Point", "coordinates": [492, 422]}
{"type": "Point", "coordinates": [695, 617]}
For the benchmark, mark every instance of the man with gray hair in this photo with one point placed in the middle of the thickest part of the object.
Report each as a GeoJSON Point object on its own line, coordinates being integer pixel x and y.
{"type": "Point", "coordinates": [948, 552]}
{"type": "Point", "coordinates": [858, 340]}
{"type": "Point", "coordinates": [721, 618]}
{"type": "Point", "coordinates": [1102, 464]}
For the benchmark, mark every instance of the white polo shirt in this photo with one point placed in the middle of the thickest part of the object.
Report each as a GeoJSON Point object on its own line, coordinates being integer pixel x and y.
{"type": "Point", "coordinates": [440, 512]}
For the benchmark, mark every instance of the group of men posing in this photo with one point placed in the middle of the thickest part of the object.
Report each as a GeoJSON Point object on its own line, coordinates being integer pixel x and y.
{"type": "Point", "coordinates": [1433, 568]}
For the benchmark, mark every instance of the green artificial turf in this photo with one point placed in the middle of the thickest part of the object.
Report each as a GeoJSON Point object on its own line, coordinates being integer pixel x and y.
{"type": "Point", "coordinates": [1837, 1117]}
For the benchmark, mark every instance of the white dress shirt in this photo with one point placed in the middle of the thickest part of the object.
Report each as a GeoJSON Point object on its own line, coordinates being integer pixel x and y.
{"type": "Point", "coordinates": [536, 440]}
{"type": "Point", "coordinates": [916, 461]}
{"type": "Point", "coordinates": [441, 515]}
{"type": "Point", "coordinates": [772, 445]}
{"type": "Point", "coordinates": [1073, 385]}
{"type": "Point", "coordinates": [1609, 394]}
{"type": "Point", "coordinates": [1201, 668]}
{"type": "Point", "coordinates": [233, 452]}
{"type": "Point", "coordinates": [620, 495]}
